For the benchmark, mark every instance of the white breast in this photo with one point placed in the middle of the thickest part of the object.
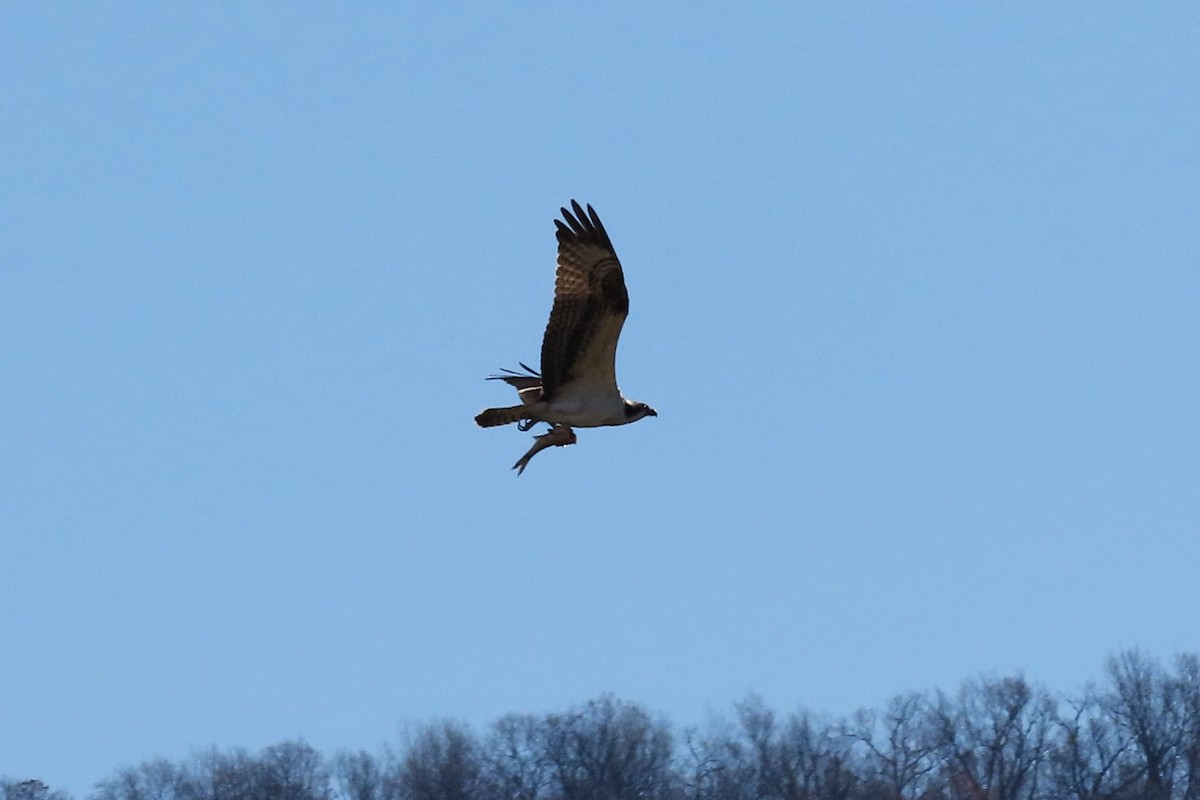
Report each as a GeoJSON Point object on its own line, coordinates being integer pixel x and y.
{"type": "Point", "coordinates": [578, 407]}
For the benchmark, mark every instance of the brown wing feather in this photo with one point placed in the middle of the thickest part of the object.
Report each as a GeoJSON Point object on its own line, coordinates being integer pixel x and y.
{"type": "Point", "coordinates": [590, 302]}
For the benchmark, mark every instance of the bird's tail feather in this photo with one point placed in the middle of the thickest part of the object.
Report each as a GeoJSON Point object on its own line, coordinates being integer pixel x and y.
{"type": "Point", "coordinates": [491, 417]}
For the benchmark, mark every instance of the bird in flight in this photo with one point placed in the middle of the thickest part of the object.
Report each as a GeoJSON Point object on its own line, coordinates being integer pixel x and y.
{"type": "Point", "coordinates": [577, 387]}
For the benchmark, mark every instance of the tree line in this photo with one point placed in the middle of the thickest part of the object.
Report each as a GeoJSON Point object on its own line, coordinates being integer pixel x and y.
{"type": "Point", "coordinates": [1135, 735]}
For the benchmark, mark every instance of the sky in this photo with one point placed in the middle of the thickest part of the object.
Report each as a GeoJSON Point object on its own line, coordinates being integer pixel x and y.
{"type": "Point", "coordinates": [914, 291]}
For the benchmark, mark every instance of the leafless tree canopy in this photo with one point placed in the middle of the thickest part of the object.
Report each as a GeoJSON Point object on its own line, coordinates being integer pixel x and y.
{"type": "Point", "coordinates": [1135, 735]}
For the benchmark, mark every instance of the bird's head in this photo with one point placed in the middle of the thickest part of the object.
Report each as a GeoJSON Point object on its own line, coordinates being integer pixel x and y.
{"type": "Point", "coordinates": [635, 411]}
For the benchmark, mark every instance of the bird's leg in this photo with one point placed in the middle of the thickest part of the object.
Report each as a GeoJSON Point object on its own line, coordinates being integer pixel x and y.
{"type": "Point", "coordinates": [557, 436]}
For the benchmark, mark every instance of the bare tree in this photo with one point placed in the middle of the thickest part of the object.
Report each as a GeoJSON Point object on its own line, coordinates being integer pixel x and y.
{"type": "Point", "coordinates": [1091, 757]}
{"type": "Point", "coordinates": [815, 760]}
{"type": "Point", "coordinates": [718, 764]}
{"type": "Point", "coordinates": [609, 749]}
{"type": "Point", "coordinates": [219, 776]}
{"type": "Point", "coordinates": [900, 750]}
{"type": "Point", "coordinates": [441, 763]}
{"type": "Point", "coordinates": [801, 759]}
{"type": "Point", "coordinates": [761, 734]}
{"type": "Point", "coordinates": [514, 761]}
{"type": "Point", "coordinates": [292, 771]}
{"type": "Point", "coordinates": [151, 780]}
{"type": "Point", "coordinates": [286, 771]}
{"type": "Point", "coordinates": [28, 790]}
{"type": "Point", "coordinates": [1135, 737]}
{"type": "Point", "coordinates": [1146, 702]}
{"type": "Point", "coordinates": [361, 776]}
{"type": "Point", "coordinates": [1187, 683]}
{"type": "Point", "coordinates": [992, 743]}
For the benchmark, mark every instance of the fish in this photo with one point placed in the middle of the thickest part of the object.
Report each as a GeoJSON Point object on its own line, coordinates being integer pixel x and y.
{"type": "Point", "coordinates": [558, 436]}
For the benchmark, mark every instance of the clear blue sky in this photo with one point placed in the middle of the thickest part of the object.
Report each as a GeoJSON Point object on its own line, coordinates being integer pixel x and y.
{"type": "Point", "coordinates": [915, 291]}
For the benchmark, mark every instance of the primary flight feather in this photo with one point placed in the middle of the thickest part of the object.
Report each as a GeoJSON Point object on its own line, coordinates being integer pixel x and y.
{"type": "Point", "coordinates": [577, 386]}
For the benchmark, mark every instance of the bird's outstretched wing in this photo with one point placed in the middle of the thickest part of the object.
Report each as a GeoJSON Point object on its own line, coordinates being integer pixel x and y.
{"type": "Point", "coordinates": [590, 306]}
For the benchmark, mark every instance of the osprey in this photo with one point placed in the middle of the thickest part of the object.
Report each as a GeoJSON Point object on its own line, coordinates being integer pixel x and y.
{"type": "Point", "coordinates": [577, 386]}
